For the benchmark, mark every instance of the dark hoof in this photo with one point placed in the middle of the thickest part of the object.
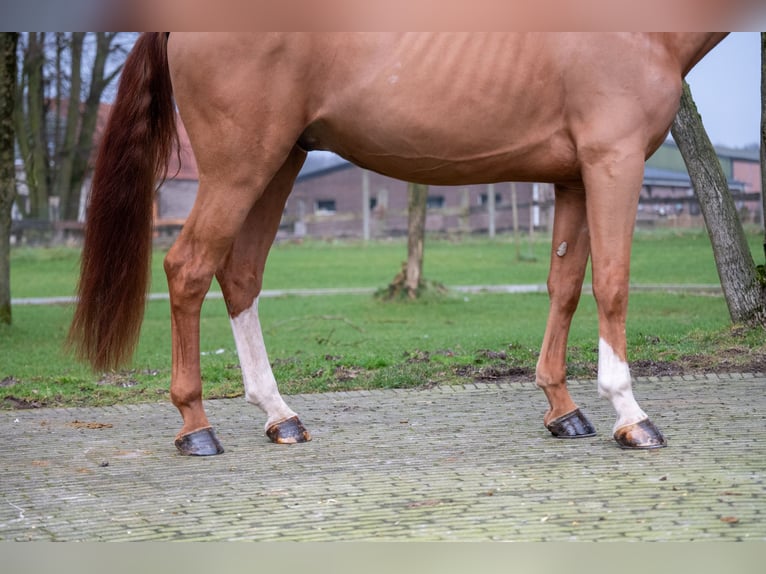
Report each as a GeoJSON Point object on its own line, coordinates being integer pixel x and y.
{"type": "Point", "coordinates": [572, 425]}
{"type": "Point", "coordinates": [640, 435]}
{"type": "Point", "coordinates": [289, 431]}
{"type": "Point", "coordinates": [202, 442]}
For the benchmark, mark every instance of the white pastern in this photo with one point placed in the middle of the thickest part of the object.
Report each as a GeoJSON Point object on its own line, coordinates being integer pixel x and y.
{"type": "Point", "coordinates": [614, 384]}
{"type": "Point", "coordinates": [260, 384]}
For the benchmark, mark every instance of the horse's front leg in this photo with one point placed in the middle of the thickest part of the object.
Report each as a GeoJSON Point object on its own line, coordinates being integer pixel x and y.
{"type": "Point", "coordinates": [569, 258]}
{"type": "Point", "coordinates": [613, 185]}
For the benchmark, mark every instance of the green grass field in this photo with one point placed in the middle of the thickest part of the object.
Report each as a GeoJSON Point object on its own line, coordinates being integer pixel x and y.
{"type": "Point", "coordinates": [345, 342]}
{"type": "Point", "coordinates": [658, 257]}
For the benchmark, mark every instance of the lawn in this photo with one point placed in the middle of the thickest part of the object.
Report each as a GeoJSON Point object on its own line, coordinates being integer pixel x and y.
{"type": "Point", "coordinates": [345, 342]}
{"type": "Point", "coordinates": [662, 256]}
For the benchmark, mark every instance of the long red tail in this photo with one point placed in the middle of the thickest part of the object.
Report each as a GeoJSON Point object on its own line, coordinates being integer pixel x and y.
{"type": "Point", "coordinates": [132, 159]}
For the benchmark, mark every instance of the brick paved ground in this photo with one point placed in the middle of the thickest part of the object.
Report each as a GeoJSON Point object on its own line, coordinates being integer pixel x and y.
{"type": "Point", "coordinates": [449, 463]}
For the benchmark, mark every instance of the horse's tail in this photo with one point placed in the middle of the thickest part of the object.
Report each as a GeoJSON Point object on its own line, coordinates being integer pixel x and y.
{"type": "Point", "coordinates": [132, 159]}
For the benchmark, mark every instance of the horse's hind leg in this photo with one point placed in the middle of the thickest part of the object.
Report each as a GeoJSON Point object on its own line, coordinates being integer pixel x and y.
{"type": "Point", "coordinates": [241, 277]}
{"type": "Point", "coordinates": [224, 200]}
{"type": "Point", "coordinates": [569, 258]}
{"type": "Point", "coordinates": [189, 266]}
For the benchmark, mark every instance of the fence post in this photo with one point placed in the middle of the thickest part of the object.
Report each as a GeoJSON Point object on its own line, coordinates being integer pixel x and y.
{"type": "Point", "coordinates": [366, 205]}
{"type": "Point", "coordinates": [491, 209]}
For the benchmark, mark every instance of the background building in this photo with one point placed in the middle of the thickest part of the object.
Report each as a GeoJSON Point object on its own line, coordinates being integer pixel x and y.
{"type": "Point", "coordinates": [334, 198]}
{"type": "Point", "coordinates": [667, 197]}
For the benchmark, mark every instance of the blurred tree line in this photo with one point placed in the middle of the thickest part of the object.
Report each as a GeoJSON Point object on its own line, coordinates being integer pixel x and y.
{"type": "Point", "coordinates": [62, 79]}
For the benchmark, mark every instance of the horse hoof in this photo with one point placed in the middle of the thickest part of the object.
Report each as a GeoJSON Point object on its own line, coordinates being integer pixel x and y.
{"type": "Point", "coordinates": [201, 442]}
{"type": "Point", "coordinates": [640, 435]}
{"type": "Point", "coordinates": [571, 425]}
{"type": "Point", "coordinates": [289, 431]}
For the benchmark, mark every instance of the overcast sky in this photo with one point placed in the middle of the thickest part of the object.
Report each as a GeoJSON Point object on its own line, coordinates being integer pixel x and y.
{"type": "Point", "coordinates": [726, 86]}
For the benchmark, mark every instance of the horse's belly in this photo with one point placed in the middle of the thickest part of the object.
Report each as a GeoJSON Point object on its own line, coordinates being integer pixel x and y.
{"type": "Point", "coordinates": [446, 110]}
{"type": "Point", "coordinates": [444, 155]}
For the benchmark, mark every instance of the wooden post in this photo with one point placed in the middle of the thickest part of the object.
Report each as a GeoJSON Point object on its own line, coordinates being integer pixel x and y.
{"type": "Point", "coordinates": [534, 215]}
{"type": "Point", "coordinates": [366, 205]}
{"type": "Point", "coordinates": [515, 214]}
{"type": "Point", "coordinates": [491, 209]}
{"type": "Point", "coordinates": [464, 219]}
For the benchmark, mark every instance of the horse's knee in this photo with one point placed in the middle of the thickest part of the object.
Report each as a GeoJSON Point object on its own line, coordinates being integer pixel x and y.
{"type": "Point", "coordinates": [564, 297]}
{"type": "Point", "coordinates": [611, 297]}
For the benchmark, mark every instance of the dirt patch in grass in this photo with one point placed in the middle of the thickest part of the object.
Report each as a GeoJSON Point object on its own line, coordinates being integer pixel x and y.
{"type": "Point", "coordinates": [649, 368]}
{"type": "Point", "coordinates": [723, 359]}
{"type": "Point", "coordinates": [21, 404]}
{"type": "Point", "coordinates": [8, 382]}
{"type": "Point", "coordinates": [123, 379]}
{"type": "Point", "coordinates": [345, 374]}
{"type": "Point", "coordinates": [496, 372]}
{"type": "Point", "coordinates": [733, 360]}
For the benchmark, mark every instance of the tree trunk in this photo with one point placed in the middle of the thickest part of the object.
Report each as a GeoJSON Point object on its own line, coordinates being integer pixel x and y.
{"type": "Point", "coordinates": [409, 281]}
{"type": "Point", "coordinates": [8, 42]}
{"type": "Point", "coordinates": [763, 136]}
{"type": "Point", "coordinates": [20, 127]}
{"type": "Point", "coordinates": [99, 81]}
{"type": "Point", "coordinates": [742, 289]}
{"type": "Point", "coordinates": [65, 153]}
{"type": "Point", "coordinates": [37, 161]}
{"type": "Point", "coordinates": [416, 232]}
{"type": "Point", "coordinates": [58, 82]}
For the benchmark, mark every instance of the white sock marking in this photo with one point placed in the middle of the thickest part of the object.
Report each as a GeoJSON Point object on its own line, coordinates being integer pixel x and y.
{"type": "Point", "coordinates": [260, 384]}
{"type": "Point", "coordinates": [614, 384]}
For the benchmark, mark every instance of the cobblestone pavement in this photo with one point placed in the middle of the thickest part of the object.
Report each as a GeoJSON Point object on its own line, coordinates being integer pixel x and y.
{"type": "Point", "coordinates": [467, 463]}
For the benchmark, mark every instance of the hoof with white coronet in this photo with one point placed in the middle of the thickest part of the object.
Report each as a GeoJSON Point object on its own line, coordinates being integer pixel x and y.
{"type": "Point", "coordinates": [289, 431]}
{"type": "Point", "coordinates": [640, 435]}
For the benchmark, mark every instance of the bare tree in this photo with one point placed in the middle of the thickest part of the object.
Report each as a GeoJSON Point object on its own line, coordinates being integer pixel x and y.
{"type": "Point", "coordinates": [742, 287]}
{"type": "Point", "coordinates": [8, 42]}
{"type": "Point", "coordinates": [66, 142]}
{"type": "Point", "coordinates": [99, 81]}
{"type": "Point", "coordinates": [416, 237]}
{"type": "Point", "coordinates": [64, 78]}
{"type": "Point", "coordinates": [30, 124]}
{"type": "Point", "coordinates": [410, 280]}
{"type": "Point", "coordinates": [763, 136]}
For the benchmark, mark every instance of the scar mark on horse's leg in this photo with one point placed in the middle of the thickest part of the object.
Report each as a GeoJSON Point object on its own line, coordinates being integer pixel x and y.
{"type": "Point", "coordinates": [562, 249]}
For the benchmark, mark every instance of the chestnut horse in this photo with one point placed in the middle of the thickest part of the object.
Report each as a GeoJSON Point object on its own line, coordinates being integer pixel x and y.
{"type": "Point", "coordinates": [582, 111]}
